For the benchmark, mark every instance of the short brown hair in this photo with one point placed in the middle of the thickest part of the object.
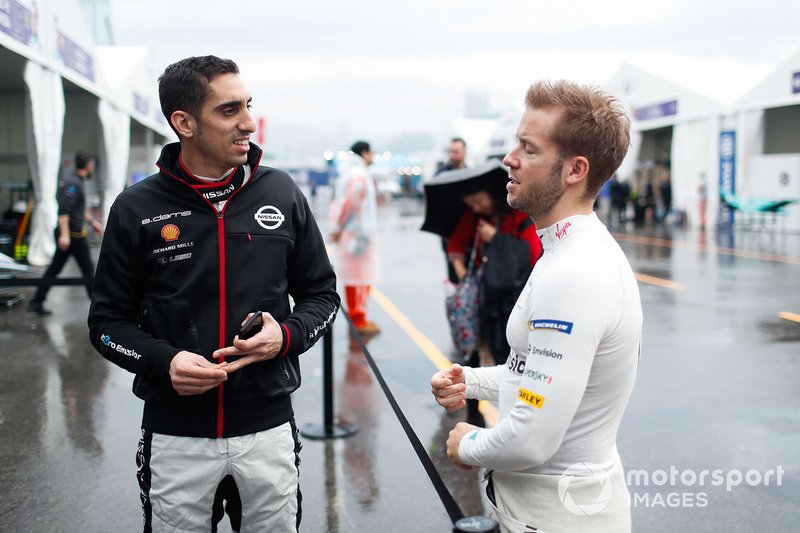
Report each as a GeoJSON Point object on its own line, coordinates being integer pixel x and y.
{"type": "Point", "coordinates": [592, 123]}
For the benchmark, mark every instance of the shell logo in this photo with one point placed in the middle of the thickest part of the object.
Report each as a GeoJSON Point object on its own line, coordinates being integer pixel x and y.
{"type": "Point", "coordinates": [170, 232]}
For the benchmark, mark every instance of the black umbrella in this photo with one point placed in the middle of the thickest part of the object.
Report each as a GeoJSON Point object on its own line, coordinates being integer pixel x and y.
{"type": "Point", "coordinates": [443, 204]}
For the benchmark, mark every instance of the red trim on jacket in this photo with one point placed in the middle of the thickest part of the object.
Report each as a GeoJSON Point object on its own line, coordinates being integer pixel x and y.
{"type": "Point", "coordinates": [287, 341]}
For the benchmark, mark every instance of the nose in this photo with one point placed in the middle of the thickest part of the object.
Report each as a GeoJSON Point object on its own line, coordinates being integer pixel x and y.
{"type": "Point", "coordinates": [248, 123]}
{"type": "Point", "coordinates": [509, 160]}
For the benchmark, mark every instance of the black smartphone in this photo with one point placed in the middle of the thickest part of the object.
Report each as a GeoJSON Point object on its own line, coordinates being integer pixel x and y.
{"type": "Point", "coordinates": [252, 326]}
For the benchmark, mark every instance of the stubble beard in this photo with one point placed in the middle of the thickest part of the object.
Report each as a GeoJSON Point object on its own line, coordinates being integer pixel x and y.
{"type": "Point", "coordinates": [538, 202]}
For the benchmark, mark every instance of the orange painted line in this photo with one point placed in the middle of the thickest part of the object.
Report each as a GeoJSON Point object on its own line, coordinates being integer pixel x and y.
{"type": "Point", "coordinates": [427, 346]}
{"type": "Point", "coordinates": [719, 250]}
{"type": "Point", "coordinates": [786, 315]}
{"type": "Point", "coordinates": [667, 284]}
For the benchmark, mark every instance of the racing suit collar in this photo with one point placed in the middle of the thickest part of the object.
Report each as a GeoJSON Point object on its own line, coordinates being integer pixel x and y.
{"type": "Point", "coordinates": [553, 235]}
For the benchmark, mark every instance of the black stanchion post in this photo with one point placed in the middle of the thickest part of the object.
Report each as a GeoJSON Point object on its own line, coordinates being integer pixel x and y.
{"type": "Point", "coordinates": [476, 524]}
{"type": "Point", "coordinates": [329, 428]}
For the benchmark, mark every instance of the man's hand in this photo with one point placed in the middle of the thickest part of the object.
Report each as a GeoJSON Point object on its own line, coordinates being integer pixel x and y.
{"type": "Point", "coordinates": [449, 389]}
{"type": "Point", "coordinates": [262, 346]}
{"type": "Point", "coordinates": [454, 440]}
{"type": "Point", "coordinates": [63, 241]}
{"type": "Point", "coordinates": [194, 374]}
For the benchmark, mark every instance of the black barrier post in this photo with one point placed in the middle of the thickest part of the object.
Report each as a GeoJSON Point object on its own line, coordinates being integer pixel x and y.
{"type": "Point", "coordinates": [476, 524]}
{"type": "Point", "coordinates": [329, 429]}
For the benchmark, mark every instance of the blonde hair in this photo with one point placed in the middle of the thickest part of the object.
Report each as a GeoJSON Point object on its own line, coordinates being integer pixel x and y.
{"type": "Point", "coordinates": [591, 123]}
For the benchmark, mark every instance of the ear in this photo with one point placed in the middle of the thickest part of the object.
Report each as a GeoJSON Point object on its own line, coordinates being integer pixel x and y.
{"type": "Point", "coordinates": [577, 170]}
{"type": "Point", "coordinates": [184, 123]}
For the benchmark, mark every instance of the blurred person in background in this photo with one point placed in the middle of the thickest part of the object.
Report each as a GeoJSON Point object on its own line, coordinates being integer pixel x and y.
{"type": "Point", "coordinates": [507, 248]}
{"type": "Point", "coordinates": [355, 221]}
{"type": "Point", "coordinates": [71, 231]}
{"type": "Point", "coordinates": [456, 160]}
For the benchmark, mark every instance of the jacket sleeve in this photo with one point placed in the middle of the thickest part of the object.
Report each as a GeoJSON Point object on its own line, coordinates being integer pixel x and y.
{"type": "Point", "coordinates": [463, 236]}
{"type": "Point", "coordinates": [116, 300]}
{"type": "Point", "coordinates": [312, 285]}
{"type": "Point", "coordinates": [67, 196]}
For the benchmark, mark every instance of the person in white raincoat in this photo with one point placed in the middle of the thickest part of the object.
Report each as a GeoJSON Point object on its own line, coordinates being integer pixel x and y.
{"type": "Point", "coordinates": [355, 230]}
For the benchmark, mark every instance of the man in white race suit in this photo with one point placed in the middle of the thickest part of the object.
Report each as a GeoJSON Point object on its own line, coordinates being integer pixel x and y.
{"type": "Point", "coordinates": [575, 332]}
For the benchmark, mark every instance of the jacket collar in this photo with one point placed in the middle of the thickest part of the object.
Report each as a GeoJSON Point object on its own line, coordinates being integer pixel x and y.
{"type": "Point", "coordinates": [169, 164]}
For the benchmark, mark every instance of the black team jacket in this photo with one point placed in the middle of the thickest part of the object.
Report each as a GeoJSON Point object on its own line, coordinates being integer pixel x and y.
{"type": "Point", "coordinates": [175, 274]}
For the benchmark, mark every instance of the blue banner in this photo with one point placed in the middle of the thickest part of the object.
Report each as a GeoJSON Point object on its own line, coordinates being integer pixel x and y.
{"type": "Point", "coordinates": [664, 109]}
{"type": "Point", "coordinates": [727, 173]}
{"type": "Point", "coordinates": [74, 57]}
{"type": "Point", "coordinates": [15, 20]}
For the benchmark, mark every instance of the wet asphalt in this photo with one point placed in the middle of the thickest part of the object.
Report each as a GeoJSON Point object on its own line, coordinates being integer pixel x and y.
{"type": "Point", "coordinates": [716, 393]}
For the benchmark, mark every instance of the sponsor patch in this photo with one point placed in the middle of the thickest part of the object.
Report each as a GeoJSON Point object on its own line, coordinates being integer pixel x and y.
{"type": "Point", "coordinates": [170, 232]}
{"type": "Point", "coordinates": [473, 435]}
{"type": "Point", "coordinates": [555, 325]}
{"type": "Point", "coordinates": [535, 375]}
{"type": "Point", "coordinates": [530, 398]}
{"type": "Point", "coordinates": [561, 231]}
{"type": "Point", "coordinates": [544, 352]}
{"type": "Point", "coordinates": [269, 217]}
{"type": "Point", "coordinates": [166, 216]}
{"type": "Point", "coordinates": [130, 352]}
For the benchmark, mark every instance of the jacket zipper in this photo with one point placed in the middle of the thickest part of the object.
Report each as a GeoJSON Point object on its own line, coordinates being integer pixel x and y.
{"type": "Point", "coordinates": [222, 314]}
{"type": "Point", "coordinates": [222, 282]}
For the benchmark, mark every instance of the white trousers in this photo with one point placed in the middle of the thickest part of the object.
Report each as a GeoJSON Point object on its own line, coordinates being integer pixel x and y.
{"type": "Point", "coordinates": [184, 480]}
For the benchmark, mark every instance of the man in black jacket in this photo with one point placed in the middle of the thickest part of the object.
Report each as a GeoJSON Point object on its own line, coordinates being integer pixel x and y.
{"type": "Point", "coordinates": [189, 253]}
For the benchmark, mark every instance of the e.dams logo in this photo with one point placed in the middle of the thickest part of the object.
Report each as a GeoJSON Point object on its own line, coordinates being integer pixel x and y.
{"type": "Point", "coordinates": [170, 232]}
{"type": "Point", "coordinates": [269, 217]}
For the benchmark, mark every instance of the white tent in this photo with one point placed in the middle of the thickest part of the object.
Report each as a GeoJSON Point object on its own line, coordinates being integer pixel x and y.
{"type": "Point", "coordinates": [767, 121]}
{"type": "Point", "coordinates": [55, 90]}
{"type": "Point", "coordinates": [675, 125]}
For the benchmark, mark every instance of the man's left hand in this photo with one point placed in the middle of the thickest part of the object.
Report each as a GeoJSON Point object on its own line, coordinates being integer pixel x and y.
{"type": "Point", "coordinates": [262, 346]}
{"type": "Point", "coordinates": [454, 439]}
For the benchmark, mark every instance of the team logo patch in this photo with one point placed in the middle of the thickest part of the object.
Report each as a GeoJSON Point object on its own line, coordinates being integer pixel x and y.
{"type": "Point", "coordinates": [530, 398]}
{"type": "Point", "coordinates": [554, 325]}
{"type": "Point", "coordinates": [561, 231]}
{"type": "Point", "coordinates": [269, 217]}
{"type": "Point", "coordinates": [170, 232]}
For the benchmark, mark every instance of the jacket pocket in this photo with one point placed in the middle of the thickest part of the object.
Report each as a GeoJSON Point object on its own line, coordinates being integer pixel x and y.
{"type": "Point", "coordinates": [278, 376]}
{"type": "Point", "coordinates": [170, 320]}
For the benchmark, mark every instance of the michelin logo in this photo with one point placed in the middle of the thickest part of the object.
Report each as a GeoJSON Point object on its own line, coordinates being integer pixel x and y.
{"type": "Point", "coordinates": [106, 340]}
{"type": "Point", "coordinates": [555, 325]}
